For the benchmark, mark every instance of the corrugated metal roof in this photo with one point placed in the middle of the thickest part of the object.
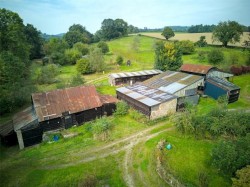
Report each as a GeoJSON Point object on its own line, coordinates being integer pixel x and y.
{"type": "Point", "coordinates": [171, 81]}
{"type": "Point", "coordinates": [223, 83]}
{"type": "Point", "coordinates": [196, 68]}
{"type": "Point", "coordinates": [146, 95]}
{"type": "Point", "coordinates": [107, 99]}
{"type": "Point", "coordinates": [137, 73]}
{"type": "Point", "coordinates": [6, 128]}
{"type": "Point", "coordinates": [52, 104]}
{"type": "Point", "coordinates": [24, 117]}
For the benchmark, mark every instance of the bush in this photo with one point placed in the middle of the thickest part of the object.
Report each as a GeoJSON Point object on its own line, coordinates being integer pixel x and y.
{"type": "Point", "coordinates": [72, 55]}
{"type": "Point", "coordinates": [103, 46]}
{"type": "Point", "coordinates": [83, 66]}
{"type": "Point", "coordinates": [137, 116]}
{"type": "Point", "coordinates": [46, 74]}
{"type": "Point", "coordinates": [101, 128]}
{"type": "Point", "coordinates": [187, 47]}
{"type": "Point", "coordinates": [77, 80]}
{"type": "Point", "coordinates": [119, 60]}
{"type": "Point", "coordinates": [201, 42]}
{"type": "Point", "coordinates": [83, 48]}
{"type": "Point", "coordinates": [121, 108]}
{"type": "Point", "coordinates": [201, 56]}
{"type": "Point", "coordinates": [215, 57]}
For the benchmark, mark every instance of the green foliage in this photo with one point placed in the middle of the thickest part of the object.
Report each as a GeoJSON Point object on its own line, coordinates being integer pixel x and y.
{"type": "Point", "coordinates": [14, 82]}
{"type": "Point", "coordinates": [242, 177]}
{"type": "Point", "coordinates": [103, 46]}
{"type": "Point", "coordinates": [226, 32]}
{"type": "Point", "coordinates": [96, 59]}
{"type": "Point", "coordinates": [72, 55]}
{"type": "Point", "coordinates": [113, 29]}
{"type": "Point", "coordinates": [168, 56]}
{"type": "Point", "coordinates": [46, 74]}
{"type": "Point", "coordinates": [77, 80]}
{"type": "Point", "coordinates": [201, 28]}
{"type": "Point", "coordinates": [215, 57]}
{"type": "Point", "coordinates": [84, 66]}
{"type": "Point", "coordinates": [136, 43]}
{"type": "Point", "coordinates": [121, 109]}
{"type": "Point", "coordinates": [119, 60]}
{"type": "Point", "coordinates": [230, 156]}
{"type": "Point", "coordinates": [201, 42]}
{"type": "Point", "coordinates": [233, 58]}
{"type": "Point", "coordinates": [201, 56]}
{"type": "Point", "coordinates": [187, 47]}
{"type": "Point", "coordinates": [167, 33]}
{"type": "Point", "coordinates": [35, 41]}
{"type": "Point", "coordinates": [77, 33]}
{"type": "Point", "coordinates": [102, 127]}
{"type": "Point", "coordinates": [83, 48]}
{"type": "Point", "coordinates": [203, 179]}
{"type": "Point", "coordinates": [12, 35]}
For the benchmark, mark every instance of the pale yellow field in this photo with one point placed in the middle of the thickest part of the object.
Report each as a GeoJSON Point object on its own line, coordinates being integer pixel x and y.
{"type": "Point", "coordinates": [195, 37]}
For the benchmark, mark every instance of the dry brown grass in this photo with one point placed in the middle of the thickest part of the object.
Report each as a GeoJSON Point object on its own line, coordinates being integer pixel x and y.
{"type": "Point", "coordinates": [195, 37]}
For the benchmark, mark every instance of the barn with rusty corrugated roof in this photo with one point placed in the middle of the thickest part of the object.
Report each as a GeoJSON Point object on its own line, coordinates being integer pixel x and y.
{"type": "Point", "coordinates": [60, 109]}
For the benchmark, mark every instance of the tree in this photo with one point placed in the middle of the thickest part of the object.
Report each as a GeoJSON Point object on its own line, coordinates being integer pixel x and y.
{"type": "Point", "coordinates": [136, 43]}
{"type": "Point", "coordinates": [242, 177]}
{"type": "Point", "coordinates": [83, 48]}
{"type": "Point", "coordinates": [113, 29]}
{"type": "Point", "coordinates": [77, 80]}
{"type": "Point", "coordinates": [226, 32]}
{"type": "Point", "coordinates": [84, 66]}
{"type": "Point", "coordinates": [96, 59]}
{"type": "Point", "coordinates": [78, 33]}
{"type": "Point", "coordinates": [12, 36]}
{"type": "Point", "coordinates": [119, 60]}
{"type": "Point", "coordinates": [201, 42]}
{"type": "Point", "coordinates": [103, 46]}
{"type": "Point", "coordinates": [187, 47]}
{"type": "Point", "coordinates": [72, 55]}
{"type": "Point", "coordinates": [167, 33]}
{"type": "Point", "coordinates": [215, 56]}
{"type": "Point", "coordinates": [35, 41]}
{"type": "Point", "coordinates": [168, 56]}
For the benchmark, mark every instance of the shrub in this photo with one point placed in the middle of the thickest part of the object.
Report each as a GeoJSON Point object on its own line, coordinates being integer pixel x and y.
{"type": "Point", "coordinates": [187, 47]}
{"type": "Point", "coordinates": [101, 128]}
{"type": "Point", "coordinates": [83, 48]}
{"type": "Point", "coordinates": [201, 42]}
{"type": "Point", "coordinates": [77, 80]}
{"type": "Point", "coordinates": [215, 57]}
{"type": "Point", "coordinates": [119, 60]}
{"type": "Point", "coordinates": [137, 116]}
{"type": "Point", "coordinates": [103, 46]}
{"type": "Point", "coordinates": [83, 66]}
{"type": "Point", "coordinates": [121, 108]}
{"type": "Point", "coordinates": [201, 56]}
{"type": "Point", "coordinates": [46, 74]}
{"type": "Point", "coordinates": [72, 55]}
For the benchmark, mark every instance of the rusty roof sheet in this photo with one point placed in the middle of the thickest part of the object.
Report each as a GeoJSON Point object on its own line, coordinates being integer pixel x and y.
{"type": "Point", "coordinates": [196, 68]}
{"type": "Point", "coordinates": [146, 95]}
{"type": "Point", "coordinates": [134, 74]}
{"type": "Point", "coordinates": [171, 81]}
{"type": "Point", "coordinates": [105, 99]}
{"type": "Point", "coordinates": [52, 104]}
{"type": "Point", "coordinates": [6, 128]}
{"type": "Point", "coordinates": [24, 117]}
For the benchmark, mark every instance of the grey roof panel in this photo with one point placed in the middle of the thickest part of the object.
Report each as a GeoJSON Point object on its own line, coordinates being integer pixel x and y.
{"type": "Point", "coordinates": [135, 95]}
{"type": "Point", "coordinates": [172, 88]}
{"type": "Point", "coordinates": [123, 90]}
{"type": "Point", "coordinates": [149, 101]}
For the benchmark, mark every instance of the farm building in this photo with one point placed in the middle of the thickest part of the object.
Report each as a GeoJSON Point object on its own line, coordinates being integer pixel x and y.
{"type": "Point", "coordinates": [7, 134]}
{"type": "Point", "coordinates": [182, 85]}
{"type": "Point", "coordinates": [216, 87]}
{"type": "Point", "coordinates": [204, 70]}
{"type": "Point", "coordinates": [151, 102]}
{"type": "Point", "coordinates": [60, 109]}
{"type": "Point", "coordinates": [131, 77]}
{"type": "Point", "coordinates": [177, 87]}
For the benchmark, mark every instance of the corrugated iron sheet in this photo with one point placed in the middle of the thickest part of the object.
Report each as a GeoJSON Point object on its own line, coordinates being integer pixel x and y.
{"type": "Point", "coordinates": [171, 81]}
{"type": "Point", "coordinates": [105, 99]}
{"type": "Point", "coordinates": [52, 104]}
{"type": "Point", "coordinates": [134, 74]}
{"type": "Point", "coordinates": [146, 95]}
{"type": "Point", "coordinates": [196, 68]}
{"type": "Point", "coordinates": [223, 83]}
{"type": "Point", "coordinates": [6, 128]}
{"type": "Point", "coordinates": [24, 117]}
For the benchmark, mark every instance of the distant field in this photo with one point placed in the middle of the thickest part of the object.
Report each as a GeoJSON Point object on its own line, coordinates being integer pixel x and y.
{"type": "Point", "coordinates": [195, 37]}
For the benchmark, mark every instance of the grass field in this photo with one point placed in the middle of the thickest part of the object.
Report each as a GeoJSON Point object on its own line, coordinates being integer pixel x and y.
{"type": "Point", "coordinates": [187, 158]}
{"type": "Point", "coordinates": [194, 37]}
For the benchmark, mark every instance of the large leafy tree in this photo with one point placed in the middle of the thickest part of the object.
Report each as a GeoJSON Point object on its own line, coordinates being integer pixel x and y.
{"type": "Point", "coordinates": [35, 41]}
{"type": "Point", "coordinates": [113, 29]}
{"type": "Point", "coordinates": [168, 56]}
{"type": "Point", "coordinates": [12, 36]}
{"type": "Point", "coordinates": [167, 33]}
{"type": "Point", "coordinates": [226, 32]}
{"type": "Point", "coordinates": [78, 33]}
